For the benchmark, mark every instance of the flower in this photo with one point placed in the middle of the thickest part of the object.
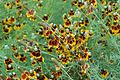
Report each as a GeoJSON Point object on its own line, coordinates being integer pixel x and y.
{"type": "Point", "coordinates": [84, 69]}
{"type": "Point", "coordinates": [65, 57]}
{"type": "Point", "coordinates": [48, 33]}
{"type": "Point", "coordinates": [57, 74]}
{"type": "Point", "coordinates": [67, 23]}
{"type": "Point", "coordinates": [45, 17]}
{"type": "Point", "coordinates": [94, 3]}
{"type": "Point", "coordinates": [33, 62]}
{"type": "Point", "coordinates": [50, 49]}
{"type": "Point", "coordinates": [42, 77]}
{"type": "Point", "coordinates": [8, 61]}
{"type": "Point", "coordinates": [38, 70]}
{"type": "Point", "coordinates": [53, 43]}
{"type": "Point", "coordinates": [32, 74]}
{"type": "Point", "coordinates": [104, 73]}
{"type": "Point", "coordinates": [14, 47]}
{"type": "Point", "coordinates": [9, 67]}
{"type": "Point", "coordinates": [7, 28]}
{"type": "Point", "coordinates": [39, 5]}
{"type": "Point", "coordinates": [22, 58]}
{"type": "Point", "coordinates": [81, 23]}
{"type": "Point", "coordinates": [80, 5]}
{"type": "Point", "coordinates": [8, 5]}
{"type": "Point", "coordinates": [108, 10]}
{"type": "Point", "coordinates": [54, 27]}
{"type": "Point", "coordinates": [30, 13]}
{"type": "Point", "coordinates": [64, 1]}
{"type": "Point", "coordinates": [41, 32]}
{"type": "Point", "coordinates": [19, 26]}
{"type": "Point", "coordinates": [74, 2]}
{"type": "Point", "coordinates": [71, 40]}
{"type": "Point", "coordinates": [65, 18]}
{"type": "Point", "coordinates": [71, 13]}
{"type": "Point", "coordinates": [24, 75]}
{"type": "Point", "coordinates": [116, 17]}
{"type": "Point", "coordinates": [114, 29]}
{"type": "Point", "coordinates": [11, 20]}
{"type": "Point", "coordinates": [103, 2]}
{"type": "Point", "coordinates": [17, 2]}
{"type": "Point", "coordinates": [33, 18]}
{"type": "Point", "coordinates": [35, 54]}
{"type": "Point", "coordinates": [86, 21]}
{"type": "Point", "coordinates": [8, 78]}
{"type": "Point", "coordinates": [40, 59]}
{"type": "Point", "coordinates": [62, 31]}
{"type": "Point", "coordinates": [76, 25]}
{"type": "Point", "coordinates": [17, 55]}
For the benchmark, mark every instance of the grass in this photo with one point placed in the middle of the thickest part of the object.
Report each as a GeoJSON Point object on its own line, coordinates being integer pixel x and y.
{"type": "Point", "coordinates": [103, 45]}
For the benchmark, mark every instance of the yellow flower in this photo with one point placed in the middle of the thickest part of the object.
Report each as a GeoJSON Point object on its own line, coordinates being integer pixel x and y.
{"type": "Point", "coordinates": [22, 58]}
{"type": "Point", "coordinates": [115, 29]}
{"type": "Point", "coordinates": [17, 55]}
{"type": "Point", "coordinates": [116, 17]}
{"type": "Point", "coordinates": [5, 20]}
{"type": "Point", "coordinates": [74, 2]}
{"type": "Point", "coordinates": [40, 59]}
{"type": "Point", "coordinates": [84, 69]}
{"type": "Point", "coordinates": [20, 8]}
{"type": "Point", "coordinates": [70, 40]}
{"type": "Point", "coordinates": [60, 49]}
{"type": "Point", "coordinates": [85, 34]}
{"type": "Point", "coordinates": [32, 74]}
{"type": "Point", "coordinates": [71, 13]}
{"type": "Point", "coordinates": [94, 3]}
{"type": "Point", "coordinates": [18, 26]}
{"type": "Point", "coordinates": [64, 1]}
{"type": "Point", "coordinates": [39, 5]}
{"type": "Point", "coordinates": [41, 77]}
{"type": "Point", "coordinates": [103, 2]}
{"type": "Point", "coordinates": [11, 20]}
{"type": "Point", "coordinates": [67, 23]}
{"type": "Point", "coordinates": [7, 29]}
{"type": "Point", "coordinates": [65, 18]}
{"type": "Point", "coordinates": [65, 57]}
{"type": "Point", "coordinates": [8, 5]}
{"type": "Point", "coordinates": [76, 24]}
{"type": "Point", "coordinates": [64, 61]}
{"type": "Point", "coordinates": [14, 48]}
{"type": "Point", "coordinates": [33, 62]}
{"type": "Point", "coordinates": [44, 77]}
{"type": "Point", "coordinates": [24, 75]}
{"type": "Point", "coordinates": [53, 27]}
{"type": "Point", "coordinates": [81, 23]}
{"type": "Point", "coordinates": [57, 74]}
{"type": "Point", "coordinates": [85, 57]}
{"type": "Point", "coordinates": [45, 17]}
{"type": "Point", "coordinates": [8, 61]}
{"type": "Point", "coordinates": [9, 67]}
{"type": "Point", "coordinates": [37, 0]}
{"type": "Point", "coordinates": [17, 2]}
{"type": "Point", "coordinates": [19, 13]}
{"type": "Point", "coordinates": [104, 73]}
{"type": "Point", "coordinates": [80, 5]}
{"type": "Point", "coordinates": [30, 13]}
{"type": "Point", "coordinates": [33, 18]}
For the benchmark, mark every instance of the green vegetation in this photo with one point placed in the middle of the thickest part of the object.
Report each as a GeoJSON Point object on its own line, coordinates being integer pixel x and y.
{"type": "Point", "coordinates": [59, 39]}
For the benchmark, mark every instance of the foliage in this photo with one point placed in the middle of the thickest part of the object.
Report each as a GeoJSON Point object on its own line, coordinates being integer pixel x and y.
{"type": "Point", "coordinates": [59, 39]}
